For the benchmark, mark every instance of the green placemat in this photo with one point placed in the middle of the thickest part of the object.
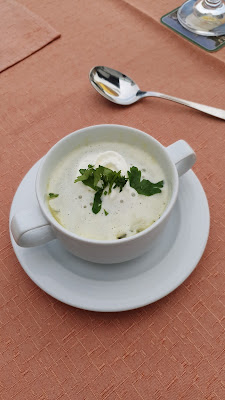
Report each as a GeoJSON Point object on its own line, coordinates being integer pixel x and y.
{"type": "Point", "coordinates": [207, 43]}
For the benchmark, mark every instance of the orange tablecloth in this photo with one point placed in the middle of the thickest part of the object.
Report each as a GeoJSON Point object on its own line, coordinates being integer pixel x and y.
{"type": "Point", "coordinates": [173, 349]}
{"type": "Point", "coordinates": [22, 33]}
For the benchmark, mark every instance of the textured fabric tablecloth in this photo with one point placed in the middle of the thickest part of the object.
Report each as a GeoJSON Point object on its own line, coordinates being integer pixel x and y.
{"type": "Point", "coordinates": [22, 33]}
{"type": "Point", "coordinates": [172, 349]}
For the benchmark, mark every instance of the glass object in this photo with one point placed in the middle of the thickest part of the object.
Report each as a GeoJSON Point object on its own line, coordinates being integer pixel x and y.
{"type": "Point", "coordinates": [203, 17]}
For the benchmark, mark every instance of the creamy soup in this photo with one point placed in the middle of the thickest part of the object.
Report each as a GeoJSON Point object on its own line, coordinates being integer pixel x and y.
{"type": "Point", "coordinates": [123, 213]}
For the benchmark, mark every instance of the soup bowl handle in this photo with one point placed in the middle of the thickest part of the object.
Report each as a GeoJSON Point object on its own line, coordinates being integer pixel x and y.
{"type": "Point", "coordinates": [182, 155]}
{"type": "Point", "coordinates": [30, 228]}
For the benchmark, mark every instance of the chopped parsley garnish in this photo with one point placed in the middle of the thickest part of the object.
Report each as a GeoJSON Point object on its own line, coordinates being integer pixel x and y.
{"type": "Point", "coordinates": [98, 179]}
{"type": "Point", "coordinates": [52, 195]}
{"type": "Point", "coordinates": [143, 186]}
{"type": "Point", "coordinates": [87, 177]}
{"type": "Point", "coordinates": [97, 204]}
{"type": "Point", "coordinates": [120, 182]}
{"type": "Point", "coordinates": [101, 178]}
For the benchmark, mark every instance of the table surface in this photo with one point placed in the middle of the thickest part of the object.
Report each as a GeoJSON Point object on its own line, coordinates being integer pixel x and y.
{"type": "Point", "coordinates": [172, 349]}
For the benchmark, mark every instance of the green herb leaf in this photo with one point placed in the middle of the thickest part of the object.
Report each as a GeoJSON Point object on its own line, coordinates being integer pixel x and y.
{"type": "Point", "coordinates": [103, 177]}
{"type": "Point", "coordinates": [107, 177]}
{"type": "Point", "coordinates": [107, 173]}
{"type": "Point", "coordinates": [90, 182]}
{"type": "Point", "coordinates": [85, 174]}
{"type": "Point", "coordinates": [120, 182]}
{"type": "Point", "coordinates": [87, 177]}
{"type": "Point", "coordinates": [112, 179]}
{"type": "Point", "coordinates": [97, 175]}
{"type": "Point", "coordinates": [52, 195]}
{"type": "Point", "coordinates": [106, 213]}
{"type": "Point", "coordinates": [97, 205]}
{"type": "Point", "coordinates": [144, 187]}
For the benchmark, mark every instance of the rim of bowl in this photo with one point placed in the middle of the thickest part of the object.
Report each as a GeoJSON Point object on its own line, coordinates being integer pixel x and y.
{"type": "Point", "coordinates": [72, 235]}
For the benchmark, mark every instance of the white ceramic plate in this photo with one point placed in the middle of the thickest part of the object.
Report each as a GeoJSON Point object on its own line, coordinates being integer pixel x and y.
{"type": "Point", "coordinates": [128, 285]}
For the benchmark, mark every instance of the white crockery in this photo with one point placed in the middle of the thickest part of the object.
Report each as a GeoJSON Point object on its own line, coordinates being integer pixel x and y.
{"type": "Point", "coordinates": [127, 285]}
{"type": "Point", "coordinates": [37, 226]}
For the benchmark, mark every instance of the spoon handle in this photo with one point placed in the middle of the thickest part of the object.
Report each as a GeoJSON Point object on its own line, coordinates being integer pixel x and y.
{"type": "Point", "coordinates": [216, 112]}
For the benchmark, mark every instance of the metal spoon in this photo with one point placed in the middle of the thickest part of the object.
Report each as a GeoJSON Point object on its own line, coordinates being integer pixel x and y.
{"type": "Point", "coordinates": [121, 89]}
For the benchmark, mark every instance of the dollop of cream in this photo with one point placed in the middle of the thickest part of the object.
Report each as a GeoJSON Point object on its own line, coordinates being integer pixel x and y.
{"type": "Point", "coordinates": [112, 160]}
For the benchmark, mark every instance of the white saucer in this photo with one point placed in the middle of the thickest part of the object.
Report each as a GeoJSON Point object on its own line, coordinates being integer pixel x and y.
{"type": "Point", "coordinates": [128, 285]}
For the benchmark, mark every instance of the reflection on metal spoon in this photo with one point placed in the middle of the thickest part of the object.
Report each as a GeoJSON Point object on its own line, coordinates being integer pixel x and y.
{"type": "Point", "coordinates": [121, 89]}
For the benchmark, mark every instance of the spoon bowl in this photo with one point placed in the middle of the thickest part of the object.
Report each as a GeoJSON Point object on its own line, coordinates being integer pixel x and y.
{"type": "Point", "coordinates": [122, 90]}
{"type": "Point", "coordinates": [114, 85]}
